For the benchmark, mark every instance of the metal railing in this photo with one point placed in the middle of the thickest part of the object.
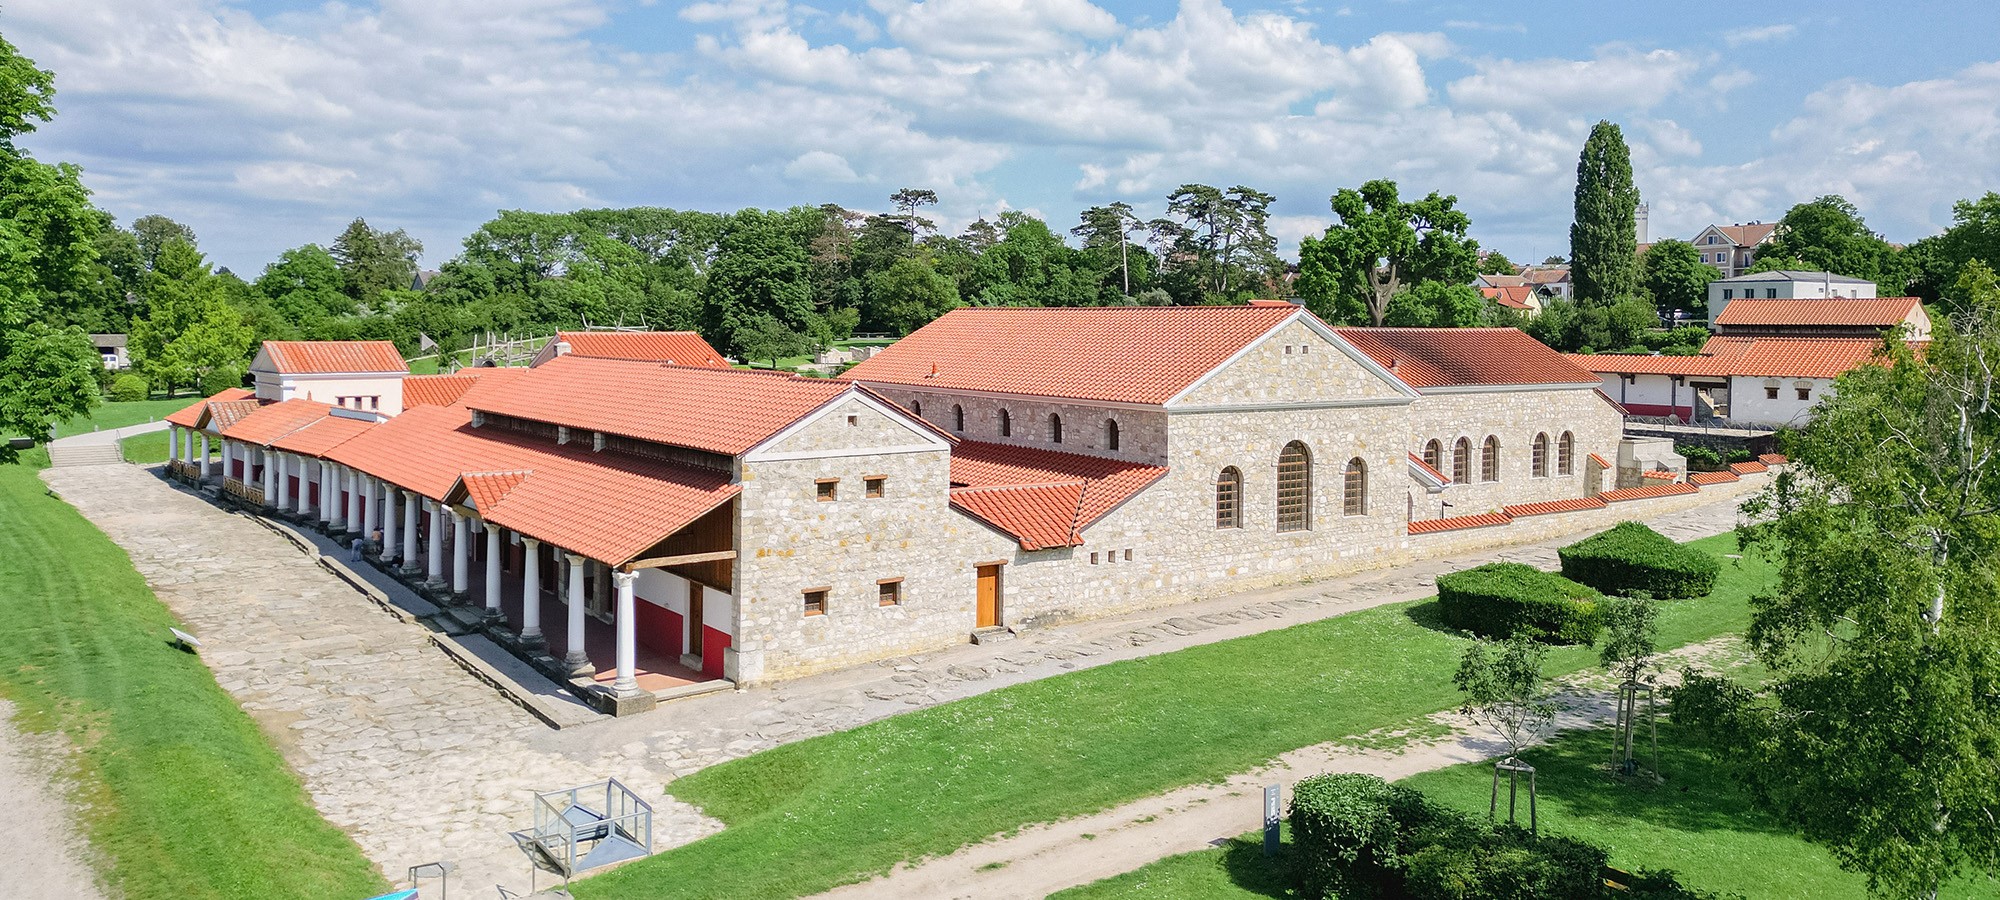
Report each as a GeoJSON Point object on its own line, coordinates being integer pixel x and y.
{"type": "Point", "coordinates": [570, 823]}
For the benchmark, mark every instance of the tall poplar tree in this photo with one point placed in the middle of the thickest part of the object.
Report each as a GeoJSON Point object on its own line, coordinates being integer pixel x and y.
{"type": "Point", "coordinates": [1604, 241]}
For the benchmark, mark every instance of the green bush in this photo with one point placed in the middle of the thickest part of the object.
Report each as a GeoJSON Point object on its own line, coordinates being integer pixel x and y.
{"type": "Point", "coordinates": [1344, 834]}
{"type": "Point", "coordinates": [1506, 863]}
{"type": "Point", "coordinates": [128, 388]}
{"type": "Point", "coordinates": [1500, 600]}
{"type": "Point", "coordinates": [1701, 459]}
{"type": "Point", "coordinates": [219, 380]}
{"type": "Point", "coordinates": [1632, 557]}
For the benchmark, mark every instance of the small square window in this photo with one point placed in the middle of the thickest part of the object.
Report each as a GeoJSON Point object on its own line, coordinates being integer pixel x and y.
{"type": "Point", "coordinates": [889, 592]}
{"type": "Point", "coordinates": [853, 421]}
{"type": "Point", "coordinates": [1093, 559]}
{"type": "Point", "coordinates": [1770, 293]}
{"type": "Point", "coordinates": [1288, 349]}
{"type": "Point", "coordinates": [1128, 554]}
{"type": "Point", "coordinates": [816, 601]}
{"type": "Point", "coordinates": [828, 488]}
{"type": "Point", "coordinates": [874, 486]}
{"type": "Point", "coordinates": [1770, 393]}
{"type": "Point", "coordinates": [1805, 393]}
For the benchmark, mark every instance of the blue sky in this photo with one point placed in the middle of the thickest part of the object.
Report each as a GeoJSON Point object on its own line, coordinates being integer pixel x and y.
{"type": "Point", "coordinates": [266, 125]}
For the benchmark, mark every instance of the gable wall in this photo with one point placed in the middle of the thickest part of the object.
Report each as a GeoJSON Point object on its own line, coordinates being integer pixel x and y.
{"type": "Point", "coordinates": [1515, 417]}
{"type": "Point", "coordinates": [1290, 365]}
{"type": "Point", "coordinates": [1142, 433]}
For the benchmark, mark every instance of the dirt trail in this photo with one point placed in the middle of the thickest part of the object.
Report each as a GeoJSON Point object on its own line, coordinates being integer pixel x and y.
{"type": "Point", "coordinates": [1041, 859]}
{"type": "Point", "coordinates": [43, 854]}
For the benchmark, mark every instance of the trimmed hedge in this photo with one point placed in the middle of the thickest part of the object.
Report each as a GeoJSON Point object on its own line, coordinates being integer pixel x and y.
{"type": "Point", "coordinates": [1357, 837]}
{"type": "Point", "coordinates": [1631, 558]}
{"type": "Point", "coordinates": [128, 388]}
{"type": "Point", "coordinates": [1501, 600]}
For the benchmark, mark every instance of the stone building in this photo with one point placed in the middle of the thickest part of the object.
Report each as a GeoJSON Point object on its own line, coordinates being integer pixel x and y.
{"type": "Point", "coordinates": [648, 529]}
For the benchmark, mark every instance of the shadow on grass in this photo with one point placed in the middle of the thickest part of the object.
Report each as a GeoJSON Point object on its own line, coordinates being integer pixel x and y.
{"type": "Point", "coordinates": [1428, 614]}
{"type": "Point", "coordinates": [1264, 876]}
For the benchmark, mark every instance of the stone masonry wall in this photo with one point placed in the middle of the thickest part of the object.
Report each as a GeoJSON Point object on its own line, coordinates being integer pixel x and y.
{"type": "Point", "coordinates": [1142, 433]}
{"type": "Point", "coordinates": [1515, 416]}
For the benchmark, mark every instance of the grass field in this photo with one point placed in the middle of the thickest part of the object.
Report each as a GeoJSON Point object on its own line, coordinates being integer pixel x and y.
{"type": "Point", "coordinates": [835, 809]}
{"type": "Point", "coordinates": [180, 795]}
{"type": "Point", "coordinates": [108, 415]}
{"type": "Point", "coordinates": [1699, 823]}
{"type": "Point", "coordinates": [145, 449]}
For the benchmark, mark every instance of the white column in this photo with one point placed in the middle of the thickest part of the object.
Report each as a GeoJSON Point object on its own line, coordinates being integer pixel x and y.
{"type": "Point", "coordinates": [410, 512]}
{"type": "Point", "coordinates": [371, 505]}
{"type": "Point", "coordinates": [628, 652]}
{"type": "Point", "coordinates": [492, 571]}
{"type": "Point", "coordinates": [461, 553]}
{"type": "Point", "coordinates": [173, 442]}
{"type": "Point", "coordinates": [577, 660]}
{"type": "Point", "coordinates": [275, 462]}
{"type": "Point", "coordinates": [302, 467]}
{"type": "Point", "coordinates": [270, 478]}
{"type": "Point", "coordinates": [434, 564]}
{"type": "Point", "coordinates": [204, 454]}
{"type": "Point", "coordinates": [351, 479]}
{"type": "Point", "coordinates": [328, 507]}
{"type": "Point", "coordinates": [531, 593]}
{"type": "Point", "coordinates": [389, 544]}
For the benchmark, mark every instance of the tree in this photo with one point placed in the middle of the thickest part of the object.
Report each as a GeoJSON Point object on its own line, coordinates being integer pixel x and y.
{"type": "Point", "coordinates": [759, 269]}
{"type": "Point", "coordinates": [1380, 244]}
{"type": "Point", "coordinates": [1828, 235]}
{"type": "Point", "coordinates": [1935, 262]}
{"type": "Point", "coordinates": [1577, 327]}
{"type": "Point", "coordinates": [1112, 226]}
{"type": "Point", "coordinates": [1603, 242]}
{"type": "Point", "coordinates": [190, 329]}
{"type": "Point", "coordinates": [1493, 262]}
{"type": "Point", "coordinates": [373, 261]}
{"type": "Point", "coordinates": [764, 337]}
{"type": "Point", "coordinates": [1222, 240]}
{"type": "Point", "coordinates": [153, 233]}
{"type": "Point", "coordinates": [1631, 640]}
{"type": "Point", "coordinates": [1673, 274]}
{"type": "Point", "coordinates": [908, 201]}
{"type": "Point", "coordinates": [1506, 692]}
{"type": "Point", "coordinates": [1436, 304]}
{"type": "Point", "coordinates": [909, 294]}
{"type": "Point", "coordinates": [305, 284]}
{"type": "Point", "coordinates": [1878, 734]}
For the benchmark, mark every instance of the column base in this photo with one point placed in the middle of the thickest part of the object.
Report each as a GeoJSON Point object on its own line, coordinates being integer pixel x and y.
{"type": "Point", "coordinates": [533, 642]}
{"type": "Point", "coordinates": [579, 665]}
{"type": "Point", "coordinates": [494, 616]}
{"type": "Point", "coordinates": [624, 703]}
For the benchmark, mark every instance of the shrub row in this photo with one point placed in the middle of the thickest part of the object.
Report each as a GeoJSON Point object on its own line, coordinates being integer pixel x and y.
{"type": "Point", "coordinates": [1501, 600]}
{"type": "Point", "coordinates": [1631, 558]}
{"type": "Point", "coordinates": [1357, 837]}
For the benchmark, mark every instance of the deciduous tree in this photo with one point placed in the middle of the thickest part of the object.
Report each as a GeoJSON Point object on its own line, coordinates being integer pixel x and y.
{"type": "Point", "coordinates": [1828, 234]}
{"type": "Point", "coordinates": [1673, 274]}
{"type": "Point", "coordinates": [1381, 245]}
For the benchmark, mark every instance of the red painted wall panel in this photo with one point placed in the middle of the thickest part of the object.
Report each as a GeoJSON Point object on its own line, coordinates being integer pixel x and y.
{"type": "Point", "coordinates": [658, 629]}
{"type": "Point", "coordinates": [1686, 413]}
{"type": "Point", "coordinates": [713, 642]}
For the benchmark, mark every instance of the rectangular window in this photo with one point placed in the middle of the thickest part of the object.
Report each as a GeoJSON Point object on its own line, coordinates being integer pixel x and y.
{"type": "Point", "coordinates": [1770, 293]}
{"type": "Point", "coordinates": [889, 592]}
{"type": "Point", "coordinates": [1093, 559]}
{"type": "Point", "coordinates": [873, 486]}
{"type": "Point", "coordinates": [816, 601]}
{"type": "Point", "coordinates": [1128, 554]}
{"type": "Point", "coordinates": [828, 488]}
{"type": "Point", "coordinates": [1728, 294]}
{"type": "Point", "coordinates": [1805, 393]}
{"type": "Point", "coordinates": [1770, 393]}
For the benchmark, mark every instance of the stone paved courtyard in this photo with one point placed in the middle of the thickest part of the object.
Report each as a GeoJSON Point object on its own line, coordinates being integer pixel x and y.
{"type": "Point", "coordinates": [421, 762]}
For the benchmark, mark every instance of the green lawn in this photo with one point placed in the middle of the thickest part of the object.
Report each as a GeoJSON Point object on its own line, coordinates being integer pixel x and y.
{"type": "Point", "coordinates": [835, 809]}
{"type": "Point", "coordinates": [145, 449]}
{"type": "Point", "coordinates": [1699, 823]}
{"type": "Point", "coordinates": [180, 794]}
{"type": "Point", "coordinates": [108, 415]}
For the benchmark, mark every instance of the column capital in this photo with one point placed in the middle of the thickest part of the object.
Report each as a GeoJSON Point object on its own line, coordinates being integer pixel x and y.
{"type": "Point", "coordinates": [623, 580]}
{"type": "Point", "coordinates": [575, 559]}
{"type": "Point", "coordinates": [528, 542]}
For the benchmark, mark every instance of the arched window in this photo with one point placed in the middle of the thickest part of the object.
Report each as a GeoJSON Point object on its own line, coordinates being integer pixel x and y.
{"type": "Point", "coordinates": [1006, 424]}
{"type": "Point", "coordinates": [917, 408]}
{"type": "Point", "coordinates": [1294, 488]}
{"type": "Point", "coordinates": [1489, 459]}
{"type": "Point", "coordinates": [1229, 498]}
{"type": "Point", "coordinates": [1461, 461]}
{"type": "Point", "coordinates": [1055, 428]}
{"type": "Point", "coordinates": [1538, 456]}
{"type": "Point", "coordinates": [1354, 496]}
{"type": "Point", "coordinates": [1110, 434]}
{"type": "Point", "coordinates": [1566, 454]}
{"type": "Point", "coordinates": [1434, 455]}
{"type": "Point", "coordinates": [957, 417]}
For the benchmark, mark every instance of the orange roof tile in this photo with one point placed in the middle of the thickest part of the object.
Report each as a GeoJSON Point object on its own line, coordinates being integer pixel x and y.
{"type": "Point", "coordinates": [445, 390]}
{"type": "Point", "coordinates": [725, 411]}
{"type": "Point", "coordinates": [1039, 516]}
{"type": "Point", "coordinates": [1748, 235]}
{"type": "Point", "coordinates": [1546, 507]}
{"type": "Point", "coordinates": [1704, 479]}
{"type": "Point", "coordinates": [1131, 354]}
{"type": "Point", "coordinates": [1771, 459]}
{"type": "Point", "coordinates": [1748, 468]}
{"type": "Point", "coordinates": [190, 416]}
{"type": "Point", "coordinates": [1880, 312]}
{"type": "Point", "coordinates": [1417, 462]}
{"type": "Point", "coordinates": [1108, 482]}
{"type": "Point", "coordinates": [1649, 491]}
{"type": "Point", "coordinates": [486, 489]}
{"type": "Point", "coordinates": [1453, 357]}
{"type": "Point", "coordinates": [224, 413]}
{"type": "Point", "coordinates": [1658, 475]}
{"type": "Point", "coordinates": [1786, 357]}
{"type": "Point", "coordinates": [683, 348]}
{"type": "Point", "coordinates": [1455, 523]}
{"type": "Point", "coordinates": [271, 421]}
{"type": "Point", "coordinates": [334, 357]}
{"type": "Point", "coordinates": [1648, 364]}
{"type": "Point", "coordinates": [1510, 296]}
{"type": "Point", "coordinates": [605, 505]}
{"type": "Point", "coordinates": [1601, 461]}
{"type": "Point", "coordinates": [322, 435]}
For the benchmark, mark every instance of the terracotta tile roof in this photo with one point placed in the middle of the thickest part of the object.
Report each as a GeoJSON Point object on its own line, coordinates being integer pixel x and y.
{"type": "Point", "coordinates": [1882, 312]}
{"type": "Point", "coordinates": [224, 413]}
{"type": "Point", "coordinates": [1748, 468]}
{"type": "Point", "coordinates": [1127, 354]}
{"type": "Point", "coordinates": [1427, 471]}
{"type": "Point", "coordinates": [1772, 459]}
{"type": "Point", "coordinates": [684, 348]}
{"type": "Point", "coordinates": [1649, 491]}
{"type": "Point", "coordinates": [1647, 364]}
{"type": "Point", "coordinates": [1545, 274]}
{"type": "Point", "coordinates": [1453, 357]}
{"type": "Point", "coordinates": [1704, 479]}
{"type": "Point", "coordinates": [1038, 516]}
{"type": "Point", "coordinates": [322, 435]}
{"type": "Point", "coordinates": [1504, 281]}
{"type": "Point", "coordinates": [190, 416]}
{"type": "Point", "coordinates": [1456, 523]}
{"type": "Point", "coordinates": [725, 411]}
{"type": "Point", "coordinates": [605, 505]}
{"type": "Point", "coordinates": [445, 390]}
{"type": "Point", "coordinates": [334, 357]}
{"type": "Point", "coordinates": [486, 489]}
{"type": "Point", "coordinates": [1747, 235]}
{"type": "Point", "coordinates": [267, 423]}
{"type": "Point", "coordinates": [1658, 475]}
{"type": "Point", "coordinates": [1600, 460]}
{"type": "Point", "coordinates": [1546, 507]}
{"type": "Point", "coordinates": [1786, 357]}
{"type": "Point", "coordinates": [1510, 296]}
{"type": "Point", "coordinates": [1108, 482]}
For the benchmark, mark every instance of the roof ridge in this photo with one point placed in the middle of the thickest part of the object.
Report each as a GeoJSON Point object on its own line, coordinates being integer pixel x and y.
{"type": "Point", "coordinates": [971, 488]}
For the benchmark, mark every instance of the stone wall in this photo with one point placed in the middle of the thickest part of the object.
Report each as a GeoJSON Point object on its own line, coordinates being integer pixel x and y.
{"type": "Point", "coordinates": [1515, 417]}
{"type": "Point", "coordinates": [1142, 433]}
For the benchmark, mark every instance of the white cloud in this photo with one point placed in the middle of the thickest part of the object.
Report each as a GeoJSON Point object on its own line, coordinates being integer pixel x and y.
{"type": "Point", "coordinates": [1758, 34]}
{"type": "Point", "coordinates": [989, 29]}
{"type": "Point", "coordinates": [819, 165]}
{"type": "Point", "coordinates": [1616, 80]}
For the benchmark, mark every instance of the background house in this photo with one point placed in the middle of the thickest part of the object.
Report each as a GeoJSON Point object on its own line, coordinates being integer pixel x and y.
{"type": "Point", "coordinates": [112, 348]}
{"type": "Point", "coordinates": [1859, 318]}
{"type": "Point", "coordinates": [1784, 285]}
{"type": "Point", "coordinates": [1733, 248]}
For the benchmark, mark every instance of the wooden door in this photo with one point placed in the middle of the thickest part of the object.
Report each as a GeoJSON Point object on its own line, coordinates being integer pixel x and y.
{"type": "Point", "coordinates": [694, 636]}
{"type": "Point", "coordinates": [989, 596]}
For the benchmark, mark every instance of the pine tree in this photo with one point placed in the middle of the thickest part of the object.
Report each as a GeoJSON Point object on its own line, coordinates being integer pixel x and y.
{"type": "Point", "coordinates": [1603, 243]}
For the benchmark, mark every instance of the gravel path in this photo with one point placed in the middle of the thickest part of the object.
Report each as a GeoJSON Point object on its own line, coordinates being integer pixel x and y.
{"type": "Point", "coordinates": [43, 855]}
